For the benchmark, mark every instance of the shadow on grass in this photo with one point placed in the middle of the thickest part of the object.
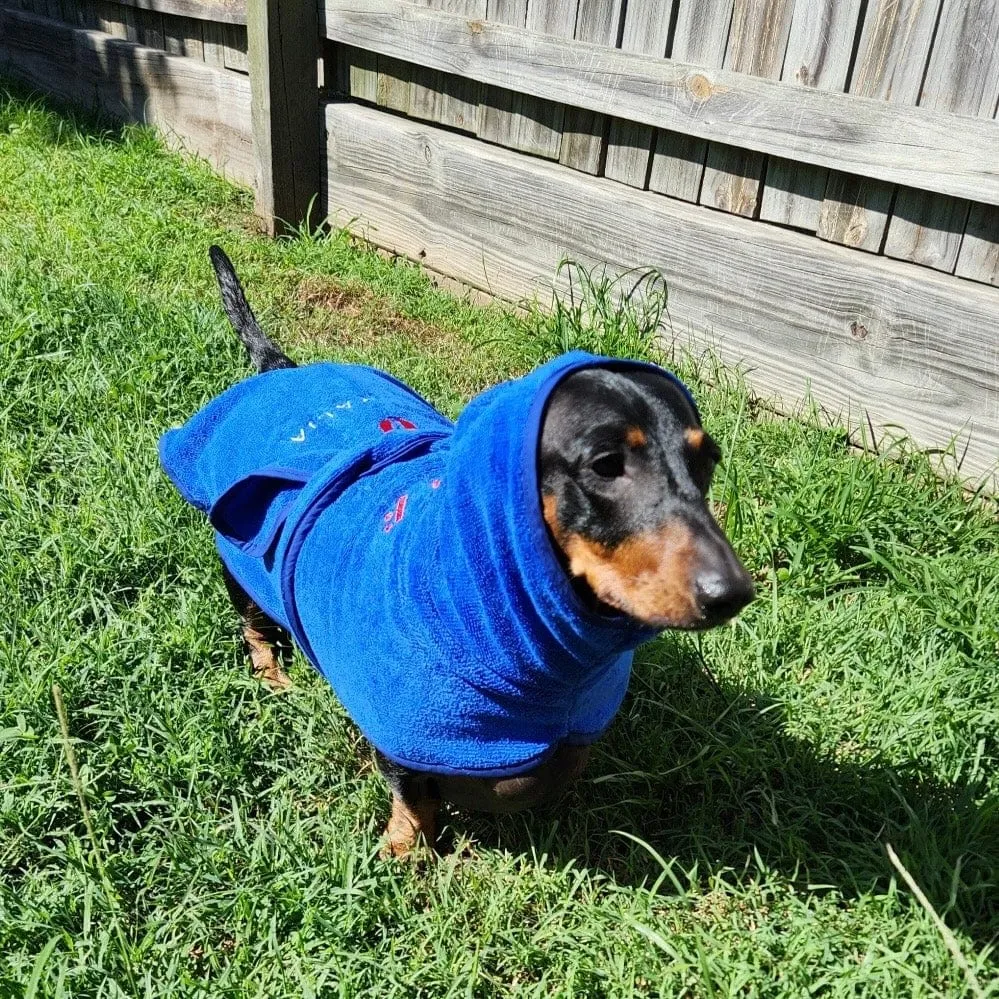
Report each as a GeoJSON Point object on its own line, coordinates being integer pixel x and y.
{"type": "Point", "coordinates": [706, 776]}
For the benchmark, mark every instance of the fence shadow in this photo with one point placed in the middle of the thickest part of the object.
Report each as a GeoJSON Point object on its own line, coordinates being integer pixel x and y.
{"type": "Point", "coordinates": [720, 780]}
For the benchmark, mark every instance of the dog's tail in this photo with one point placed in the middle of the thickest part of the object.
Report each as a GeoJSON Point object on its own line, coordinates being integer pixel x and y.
{"type": "Point", "coordinates": [264, 352]}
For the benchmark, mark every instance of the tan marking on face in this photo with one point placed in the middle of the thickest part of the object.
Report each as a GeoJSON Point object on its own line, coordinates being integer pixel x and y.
{"type": "Point", "coordinates": [635, 437]}
{"type": "Point", "coordinates": [548, 504]}
{"type": "Point", "coordinates": [649, 576]}
{"type": "Point", "coordinates": [694, 436]}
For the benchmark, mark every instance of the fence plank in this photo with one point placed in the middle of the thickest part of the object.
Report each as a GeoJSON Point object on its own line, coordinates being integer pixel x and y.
{"type": "Point", "coordinates": [499, 118]}
{"type": "Point", "coordinates": [907, 345]}
{"type": "Point", "coordinates": [700, 37]}
{"type": "Point", "coordinates": [629, 144]}
{"type": "Point", "coordinates": [219, 11]}
{"type": "Point", "coordinates": [200, 109]}
{"type": "Point", "coordinates": [894, 46]}
{"type": "Point", "coordinates": [756, 45]}
{"type": "Point", "coordinates": [540, 131]}
{"type": "Point", "coordinates": [150, 28]}
{"type": "Point", "coordinates": [597, 21]}
{"type": "Point", "coordinates": [818, 55]}
{"type": "Point", "coordinates": [930, 150]}
{"type": "Point", "coordinates": [284, 52]}
{"type": "Point", "coordinates": [234, 48]}
{"type": "Point", "coordinates": [979, 259]}
{"type": "Point", "coordinates": [443, 97]}
{"type": "Point", "coordinates": [962, 77]}
{"type": "Point", "coordinates": [214, 44]}
{"type": "Point", "coordinates": [182, 36]}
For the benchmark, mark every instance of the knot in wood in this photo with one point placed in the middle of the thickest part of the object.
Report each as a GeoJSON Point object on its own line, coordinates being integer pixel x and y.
{"type": "Point", "coordinates": [476, 27]}
{"type": "Point", "coordinates": [700, 87]}
{"type": "Point", "coordinates": [858, 331]}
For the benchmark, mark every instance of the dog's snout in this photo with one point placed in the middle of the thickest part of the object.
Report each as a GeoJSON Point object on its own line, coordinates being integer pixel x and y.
{"type": "Point", "coordinates": [722, 588]}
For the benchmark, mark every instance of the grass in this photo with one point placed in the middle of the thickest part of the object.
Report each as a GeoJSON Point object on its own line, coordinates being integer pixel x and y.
{"type": "Point", "coordinates": [194, 835]}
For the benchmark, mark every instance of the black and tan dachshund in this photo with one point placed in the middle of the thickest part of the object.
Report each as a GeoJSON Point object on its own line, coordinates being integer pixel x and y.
{"type": "Point", "coordinates": [624, 469]}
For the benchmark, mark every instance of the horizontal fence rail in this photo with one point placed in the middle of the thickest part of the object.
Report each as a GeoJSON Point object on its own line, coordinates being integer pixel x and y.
{"type": "Point", "coordinates": [933, 151]}
{"type": "Point", "coordinates": [899, 344]}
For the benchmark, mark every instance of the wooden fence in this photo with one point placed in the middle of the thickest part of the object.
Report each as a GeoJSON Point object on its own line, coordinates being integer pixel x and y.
{"type": "Point", "coordinates": [818, 178]}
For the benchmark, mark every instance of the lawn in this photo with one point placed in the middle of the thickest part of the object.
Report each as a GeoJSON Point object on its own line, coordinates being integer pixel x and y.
{"type": "Point", "coordinates": [732, 835]}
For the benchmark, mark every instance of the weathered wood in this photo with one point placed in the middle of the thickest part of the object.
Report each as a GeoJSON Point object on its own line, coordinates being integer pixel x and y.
{"type": "Point", "coordinates": [756, 45]}
{"type": "Point", "coordinates": [111, 19]}
{"type": "Point", "coordinates": [284, 52]}
{"type": "Point", "coordinates": [150, 29]}
{"type": "Point", "coordinates": [930, 150]}
{"type": "Point", "coordinates": [234, 48]}
{"type": "Point", "coordinates": [629, 144]}
{"type": "Point", "coordinates": [894, 46]}
{"type": "Point", "coordinates": [962, 77]}
{"type": "Point", "coordinates": [214, 44]}
{"type": "Point", "coordinates": [199, 109]}
{"type": "Point", "coordinates": [865, 335]}
{"type": "Point", "coordinates": [443, 97]}
{"type": "Point", "coordinates": [182, 36]}
{"type": "Point", "coordinates": [583, 131]}
{"type": "Point", "coordinates": [699, 37]}
{"type": "Point", "coordinates": [357, 73]}
{"type": "Point", "coordinates": [818, 54]}
{"type": "Point", "coordinates": [220, 11]}
{"type": "Point", "coordinates": [979, 259]}
{"type": "Point", "coordinates": [499, 118]}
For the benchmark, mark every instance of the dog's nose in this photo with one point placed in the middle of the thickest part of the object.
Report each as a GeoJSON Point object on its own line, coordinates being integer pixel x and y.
{"type": "Point", "coordinates": [722, 591]}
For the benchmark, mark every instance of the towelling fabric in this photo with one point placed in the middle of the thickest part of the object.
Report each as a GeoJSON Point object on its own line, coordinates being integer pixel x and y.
{"type": "Point", "coordinates": [409, 559]}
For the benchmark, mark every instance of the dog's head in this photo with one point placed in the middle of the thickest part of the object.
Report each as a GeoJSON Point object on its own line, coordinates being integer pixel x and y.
{"type": "Point", "coordinates": [625, 466]}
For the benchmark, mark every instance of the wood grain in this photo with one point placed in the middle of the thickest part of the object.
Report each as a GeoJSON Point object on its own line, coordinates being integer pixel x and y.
{"type": "Point", "coordinates": [443, 97]}
{"type": "Point", "coordinates": [962, 77]}
{"type": "Point", "coordinates": [583, 131]}
{"type": "Point", "coordinates": [283, 42]}
{"type": "Point", "coordinates": [700, 37]}
{"type": "Point", "coordinates": [949, 154]}
{"type": "Point", "coordinates": [867, 336]}
{"type": "Point", "coordinates": [979, 259]}
{"type": "Point", "coordinates": [220, 11]}
{"type": "Point", "coordinates": [756, 45]}
{"type": "Point", "coordinates": [894, 46]}
{"type": "Point", "coordinates": [199, 109]}
{"type": "Point", "coordinates": [818, 53]}
{"type": "Point", "coordinates": [629, 144]}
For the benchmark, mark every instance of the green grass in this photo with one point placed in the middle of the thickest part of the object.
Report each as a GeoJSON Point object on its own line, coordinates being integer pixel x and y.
{"type": "Point", "coordinates": [730, 836]}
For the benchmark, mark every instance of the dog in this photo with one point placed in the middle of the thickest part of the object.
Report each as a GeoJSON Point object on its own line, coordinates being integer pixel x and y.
{"type": "Point", "coordinates": [473, 592]}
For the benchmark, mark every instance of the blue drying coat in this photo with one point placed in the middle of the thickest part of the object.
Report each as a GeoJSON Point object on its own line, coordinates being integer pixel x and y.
{"type": "Point", "coordinates": [409, 559]}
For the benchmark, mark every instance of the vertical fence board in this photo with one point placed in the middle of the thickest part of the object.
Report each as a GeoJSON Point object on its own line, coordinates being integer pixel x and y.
{"type": "Point", "coordinates": [979, 258]}
{"type": "Point", "coordinates": [629, 146]}
{"type": "Point", "coordinates": [283, 44]}
{"type": "Point", "coordinates": [150, 25]}
{"type": "Point", "coordinates": [499, 113]}
{"type": "Point", "coordinates": [183, 36]}
{"type": "Point", "coordinates": [597, 21]}
{"type": "Point", "coordinates": [214, 43]}
{"type": "Point", "coordinates": [894, 47]}
{"type": "Point", "coordinates": [962, 78]}
{"type": "Point", "coordinates": [700, 37]}
{"type": "Point", "coordinates": [357, 73]}
{"type": "Point", "coordinates": [756, 45]}
{"type": "Point", "coordinates": [818, 55]}
{"type": "Point", "coordinates": [110, 19]}
{"type": "Point", "coordinates": [234, 51]}
{"type": "Point", "coordinates": [443, 97]}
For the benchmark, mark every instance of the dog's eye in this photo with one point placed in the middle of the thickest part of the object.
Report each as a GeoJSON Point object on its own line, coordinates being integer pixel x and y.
{"type": "Point", "coordinates": [609, 466]}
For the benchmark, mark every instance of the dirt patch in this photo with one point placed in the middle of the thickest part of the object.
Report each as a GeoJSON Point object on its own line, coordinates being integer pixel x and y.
{"type": "Point", "coordinates": [319, 291]}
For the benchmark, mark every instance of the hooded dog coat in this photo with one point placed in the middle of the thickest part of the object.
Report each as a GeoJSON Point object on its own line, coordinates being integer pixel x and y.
{"type": "Point", "coordinates": [409, 558]}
